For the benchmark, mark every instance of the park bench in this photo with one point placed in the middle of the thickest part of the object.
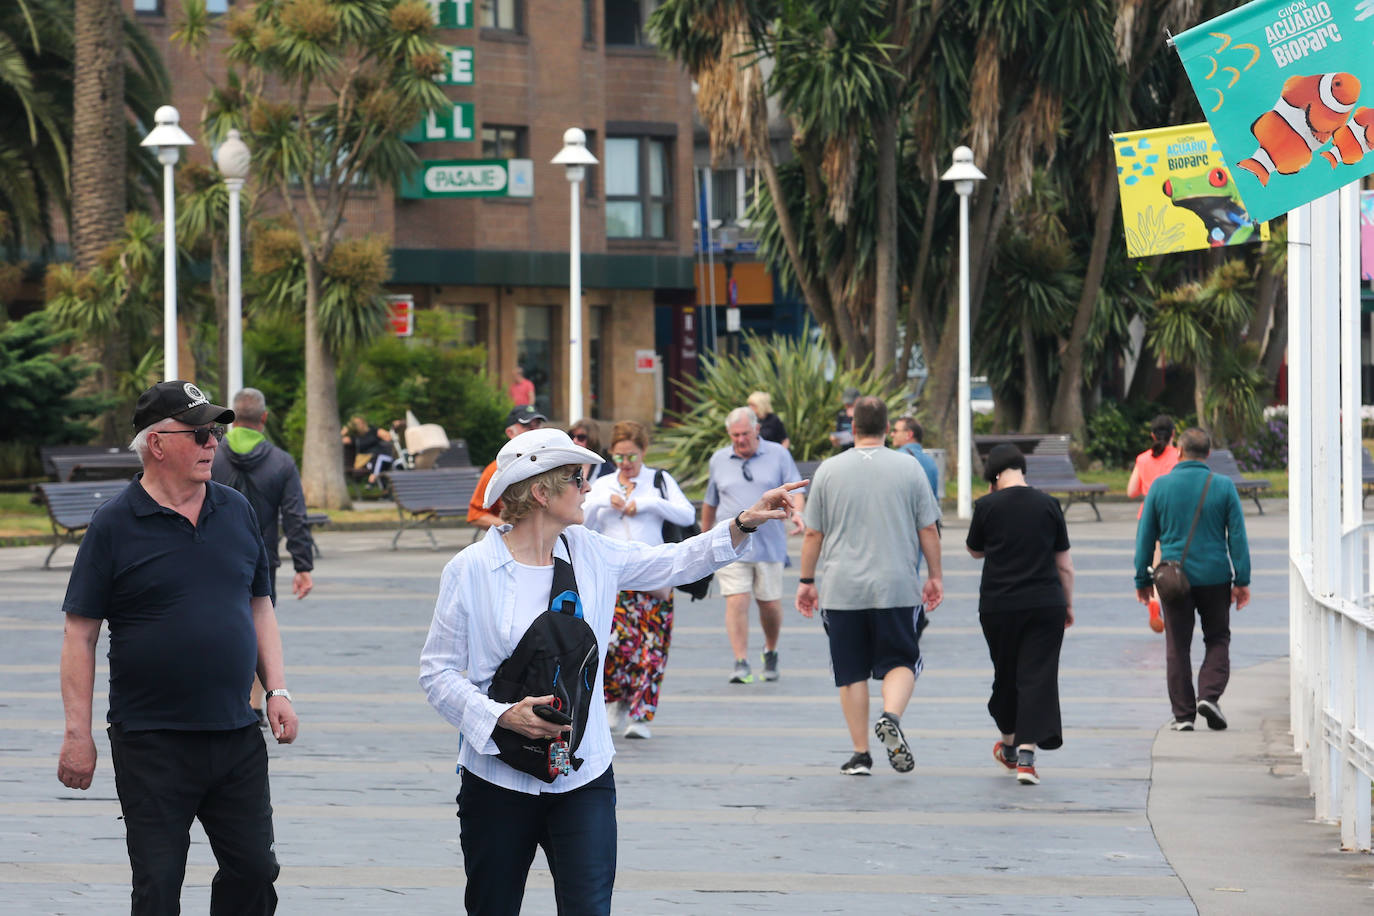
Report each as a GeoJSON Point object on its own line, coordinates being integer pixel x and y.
{"type": "Point", "coordinates": [104, 464]}
{"type": "Point", "coordinates": [1222, 462]}
{"type": "Point", "coordinates": [1054, 473]}
{"type": "Point", "coordinates": [1028, 443]}
{"type": "Point", "coordinates": [427, 496]}
{"type": "Point", "coordinates": [71, 506]}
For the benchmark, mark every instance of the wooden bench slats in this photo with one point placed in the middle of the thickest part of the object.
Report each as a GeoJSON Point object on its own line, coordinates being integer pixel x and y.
{"type": "Point", "coordinates": [1054, 473]}
{"type": "Point", "coordinates": [430, 495]}
{"type": "Point", "coordinates": [72, 505]}
{"type": "Point", "coordinates": [1221, 461]}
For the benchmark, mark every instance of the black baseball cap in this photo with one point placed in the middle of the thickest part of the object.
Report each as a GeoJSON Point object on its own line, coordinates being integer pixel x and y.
{"type": "Point", "coordinates": [179, 399]}
{"type": "Point", "coordinates": [524, 416]}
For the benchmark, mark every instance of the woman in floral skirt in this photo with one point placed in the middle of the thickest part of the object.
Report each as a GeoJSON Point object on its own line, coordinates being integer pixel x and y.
{"type": "Point", "coordinates": [628, 506]}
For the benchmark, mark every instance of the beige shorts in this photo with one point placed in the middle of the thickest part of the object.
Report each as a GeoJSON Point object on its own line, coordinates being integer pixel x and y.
{"type": "Point", "coordinates": [764, 580]}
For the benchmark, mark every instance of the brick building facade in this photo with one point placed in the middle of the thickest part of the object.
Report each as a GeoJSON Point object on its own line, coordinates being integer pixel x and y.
{"type": "Point", "coordinates": [534, 69]}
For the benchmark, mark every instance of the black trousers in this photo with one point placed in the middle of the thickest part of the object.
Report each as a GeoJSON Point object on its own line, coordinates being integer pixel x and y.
{"type": "Point", "coordinates": [165, 779]}
{"type": "Point", "coordinates": [1024, 646]}
{"type": "Point", "coordinates": [500, 830]}
{"type": "Point", "coordinates": [1213, 606]}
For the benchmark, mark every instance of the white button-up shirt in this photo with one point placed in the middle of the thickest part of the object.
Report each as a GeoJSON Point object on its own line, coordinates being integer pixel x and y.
{"type": "Point", "coordinates": [652, 508]}
{"type": "Point", "coordinates": [473, 631]}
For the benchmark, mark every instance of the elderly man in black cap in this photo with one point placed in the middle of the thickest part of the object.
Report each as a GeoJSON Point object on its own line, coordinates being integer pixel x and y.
{"type": "Point", "coordinates": [519, 420]}
{"type": "Point", "coordinates": [176, 565]}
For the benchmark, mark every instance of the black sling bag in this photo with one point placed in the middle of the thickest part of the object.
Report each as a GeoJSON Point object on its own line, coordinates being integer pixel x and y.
{"type": "Point", "coordinates": [557, 656]}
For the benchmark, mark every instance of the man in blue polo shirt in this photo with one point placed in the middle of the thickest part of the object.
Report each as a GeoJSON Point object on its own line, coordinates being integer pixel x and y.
{"type": "Point", "coordinates": [177, 566]}
{"type": "Point", "coordinates": [741, 472]}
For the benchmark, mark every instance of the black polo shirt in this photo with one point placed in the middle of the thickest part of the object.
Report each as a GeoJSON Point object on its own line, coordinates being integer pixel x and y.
{"type": "Point", "coordinates": [183, 648]}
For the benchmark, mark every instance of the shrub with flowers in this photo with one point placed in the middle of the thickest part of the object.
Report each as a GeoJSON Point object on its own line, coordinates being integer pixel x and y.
{"type": "Point", "coordinates": [1267, 447]}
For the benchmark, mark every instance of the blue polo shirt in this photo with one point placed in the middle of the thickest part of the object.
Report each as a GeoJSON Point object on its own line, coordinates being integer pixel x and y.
{"type": "Point", "coordinates": [176, 597]}
{"type": "Point", "coordinates": [731, 492]}
{"type": "Point", "coordinates": [927, 464]}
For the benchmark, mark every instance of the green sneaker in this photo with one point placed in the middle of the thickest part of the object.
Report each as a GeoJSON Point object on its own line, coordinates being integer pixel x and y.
{"type": "Point", "coordinates": [742, 674]}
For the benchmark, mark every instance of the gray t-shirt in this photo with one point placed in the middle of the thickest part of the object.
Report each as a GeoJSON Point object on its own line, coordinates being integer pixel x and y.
{"type": "Point", "coordinates": [869, 503]}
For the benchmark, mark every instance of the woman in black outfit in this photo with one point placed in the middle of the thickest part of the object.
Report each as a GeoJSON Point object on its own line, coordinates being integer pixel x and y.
{"type": "Point", "coordinates": [1025, 604]}
{"type": "Point", "coordinates": [770, 424]}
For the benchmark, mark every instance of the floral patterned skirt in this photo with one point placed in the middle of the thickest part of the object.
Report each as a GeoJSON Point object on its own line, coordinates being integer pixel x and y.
{"type": "Point", "coordinates": [638, 654]}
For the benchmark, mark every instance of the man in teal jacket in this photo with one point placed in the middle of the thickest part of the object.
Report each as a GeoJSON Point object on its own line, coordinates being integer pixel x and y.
{"type": "Point", "coordinates": [1217, 566]}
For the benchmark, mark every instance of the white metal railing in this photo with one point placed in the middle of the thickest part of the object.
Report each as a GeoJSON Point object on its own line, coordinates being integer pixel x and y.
{"type": "Point", "coordinates": [1332, 683]}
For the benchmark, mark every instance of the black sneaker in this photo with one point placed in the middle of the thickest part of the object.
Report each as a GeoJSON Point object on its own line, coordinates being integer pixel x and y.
{"type": "Point", "coordinates": [861, 764]}
{"type": "Point", "coordinates": [889, 732]}
{"type": "Point", "coordinates": [1212, 713]}
{"type": "Point", "coordinates": [770, 665]}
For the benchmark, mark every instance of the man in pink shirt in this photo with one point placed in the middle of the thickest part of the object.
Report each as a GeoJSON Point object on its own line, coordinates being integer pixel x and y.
{"type": "Point", "coordinates": [522, 389]}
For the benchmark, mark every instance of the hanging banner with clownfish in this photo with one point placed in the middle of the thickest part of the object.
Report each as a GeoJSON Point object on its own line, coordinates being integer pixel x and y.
{"type": "Point", "coordinates": [1177, 193]}
{"type": "Point", "coordinates": [1288, 87]}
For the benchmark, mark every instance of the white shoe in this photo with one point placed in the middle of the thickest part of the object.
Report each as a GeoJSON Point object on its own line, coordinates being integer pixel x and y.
{"type": "Point", "coordinates": [637, 729]}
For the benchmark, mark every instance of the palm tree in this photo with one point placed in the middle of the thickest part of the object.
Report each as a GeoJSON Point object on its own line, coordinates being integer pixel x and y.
{"type": "Point", "coordinates": [324, 108]}
{"type": "Point", "coordinates": [98, 128]}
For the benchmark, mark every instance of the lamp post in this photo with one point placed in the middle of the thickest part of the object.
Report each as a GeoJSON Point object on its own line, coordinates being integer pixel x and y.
{"type": "Point", "coordinates": [964, 174]}
{"type": "Point", "coordinates": [729, 245]}
{"type": "Point", "coordinates": [167, 138]}
{"type": "Point", "coordinates": [575, 157]}
{"type": "Point", "coordinates": [233, 159]}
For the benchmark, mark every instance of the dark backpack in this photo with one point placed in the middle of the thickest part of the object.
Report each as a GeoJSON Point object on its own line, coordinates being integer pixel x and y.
{"type": "Point", "coordinates": [558, 656]}
{"type": "Point", "coordinates": [674, 533]}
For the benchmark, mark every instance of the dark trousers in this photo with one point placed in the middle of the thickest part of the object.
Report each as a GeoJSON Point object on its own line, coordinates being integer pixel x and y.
{"type": "Point", "coordinates": [165, 779]}
{"type": "Point", "coordinates": [1024, 646]}
{"type": "Point", "coordinates": [500, 829]}
{"type": "Point", "coordinates": [1213, 606]}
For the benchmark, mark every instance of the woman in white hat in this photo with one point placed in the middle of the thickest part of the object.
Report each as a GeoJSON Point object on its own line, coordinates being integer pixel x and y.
{"type": "Point", "coordinates": [489, 596]}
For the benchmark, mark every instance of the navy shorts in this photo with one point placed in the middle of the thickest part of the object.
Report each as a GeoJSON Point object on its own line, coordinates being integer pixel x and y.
{"type": "Point", "coordinates": [871, 642]}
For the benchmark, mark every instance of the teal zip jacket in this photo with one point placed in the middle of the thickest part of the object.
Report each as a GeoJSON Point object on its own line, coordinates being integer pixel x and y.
{"type": "Point", "coordinates": [1220, 552]}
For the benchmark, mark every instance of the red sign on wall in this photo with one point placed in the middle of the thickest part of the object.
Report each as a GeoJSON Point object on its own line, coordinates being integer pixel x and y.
{"type": "Point", "coordinates": [402, 315]}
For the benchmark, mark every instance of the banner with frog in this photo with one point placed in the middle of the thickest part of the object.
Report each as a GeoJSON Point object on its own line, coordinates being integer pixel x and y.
{"type": "Point", "coordinates": [1177, 192]}
{"type": "Point", "coordinates": [1288, 87]}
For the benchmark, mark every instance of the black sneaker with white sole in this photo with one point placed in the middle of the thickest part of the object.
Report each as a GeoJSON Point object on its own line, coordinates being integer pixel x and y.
{"type": "Point", "coordinates": [861, 764]}
{"type": "Point", "coordinates": [889, 732]}
{"type": "Point", "coordinates": [1212, 713]}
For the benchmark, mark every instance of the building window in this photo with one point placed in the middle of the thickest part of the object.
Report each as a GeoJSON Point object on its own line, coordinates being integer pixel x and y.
{"type": "Point", "coordinates": [732, 194]}
{"type": "Point", "coordinates": [501, 141]}
{"type": "Point", "coordinates": [502, 14]}
{"type": "Point", "coordinates": [627, 22]}
{"type": "Point", "coordinates": [589, 22]}
{"type": "Point", "coordinates": [153, 7]}
{"type": "Point", "coordinates": [217, 7]}
{"type": "Point", "coordinates": [596, 361]}
{"type": "Point", "coordinates": [639, 197]}
{"type": "Point", "coordinates": [589, 182]}
{"type": "Point", "coordinates": [469, 328]}
{"type": "Point", "coordinates": [534, 351]}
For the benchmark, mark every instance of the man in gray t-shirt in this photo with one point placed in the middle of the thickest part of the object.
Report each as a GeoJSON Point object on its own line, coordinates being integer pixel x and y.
{"type": "Point", "coordinates": [870, 514]}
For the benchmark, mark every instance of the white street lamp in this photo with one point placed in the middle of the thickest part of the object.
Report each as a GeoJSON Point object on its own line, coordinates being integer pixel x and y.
{"type": "Point", "coordinates": [167, 138]}
{"type": "Point", "coordinates": [964, 174]}
{"type": "Point", "coordinates": [575, 157]}
{"type": "Point", "coordinates": [233, 159]}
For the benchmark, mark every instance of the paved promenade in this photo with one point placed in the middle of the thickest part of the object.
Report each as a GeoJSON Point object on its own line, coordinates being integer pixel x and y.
{"type": "Point", "coordinates": [736, 805]}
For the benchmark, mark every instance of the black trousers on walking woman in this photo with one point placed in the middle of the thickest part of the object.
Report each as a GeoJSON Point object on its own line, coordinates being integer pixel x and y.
{"type": "Point", "coordinates": [1024, 646]}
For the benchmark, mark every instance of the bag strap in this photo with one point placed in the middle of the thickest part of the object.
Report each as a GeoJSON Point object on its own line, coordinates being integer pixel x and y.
{"type": "Point", "coordinates": [659, 485]}
{"type": "Point", "coordinates": [1197, 513]}
{"type": "Point", "coordinates": [564, 591]}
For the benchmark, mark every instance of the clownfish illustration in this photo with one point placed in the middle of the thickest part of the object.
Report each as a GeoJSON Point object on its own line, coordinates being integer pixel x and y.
{"type": "Point", "coordinates": [1309, 110]}
{"type": "Point", "coordinates": [1351, 142]}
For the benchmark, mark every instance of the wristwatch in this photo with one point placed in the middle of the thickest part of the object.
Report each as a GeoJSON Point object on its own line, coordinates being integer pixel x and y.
{"type": "Point", "coordinates": [279, 692]}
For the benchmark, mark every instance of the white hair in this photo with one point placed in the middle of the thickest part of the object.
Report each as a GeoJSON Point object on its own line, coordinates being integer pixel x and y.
{"type": "Point", "coordinates": [250, 406]}
{"type": "Point", "coordinates": [741, 413]}
{"type": "Point", "coordinates": [139, 445]}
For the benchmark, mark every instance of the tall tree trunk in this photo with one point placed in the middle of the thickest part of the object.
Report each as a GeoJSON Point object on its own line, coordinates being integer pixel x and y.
{"type": "Point", "coordinates": [1066, 416]}
{"type": "Point", "coordinates": [1033, 390]}
{"type": "Point", "coordinates": [322, 471]}
{"type": "Point", "coordinates": [1276, 346]}
{"type": "Point", "coordinates": [885, 296]}
{"type": "Point", "coordinates": [1267, 289]}
{"type": "Point", "coordinates": [1201, 380]}
{"type": "Point", "coordinates": [98, 172]}
{"type": "Point", "coordinates": [920, 324]}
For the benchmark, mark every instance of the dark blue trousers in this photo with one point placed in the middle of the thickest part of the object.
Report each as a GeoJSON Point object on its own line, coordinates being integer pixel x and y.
{"type": "Point", "coordinates": [166, 779]}
{"type": "Point", "coordinates": [500, 829]}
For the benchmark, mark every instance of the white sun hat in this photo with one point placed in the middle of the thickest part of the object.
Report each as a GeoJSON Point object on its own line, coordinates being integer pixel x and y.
{"type": "Point", "coordinates": [532, 453]}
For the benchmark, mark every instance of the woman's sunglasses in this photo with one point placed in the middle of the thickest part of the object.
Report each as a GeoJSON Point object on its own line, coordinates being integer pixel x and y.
{"type": "Point", "coordinates": [624, 459]}
{"type": "Point", "coordinates": [578, 480]}
{"type": "Point", "coordinates": [579, 437]}
{"type": "Point", "coordinates": [202, 433]}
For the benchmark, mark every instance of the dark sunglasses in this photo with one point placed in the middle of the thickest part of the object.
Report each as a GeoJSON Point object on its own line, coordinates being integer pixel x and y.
{"type": "Point", "coordinates": [202, 433]}
{"type": "Point", "coordinates": [744, 469]}
{"type": "Point", "coordinates": [579, 437]}
{"type": "Point", "coordinates": [578, 480]}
